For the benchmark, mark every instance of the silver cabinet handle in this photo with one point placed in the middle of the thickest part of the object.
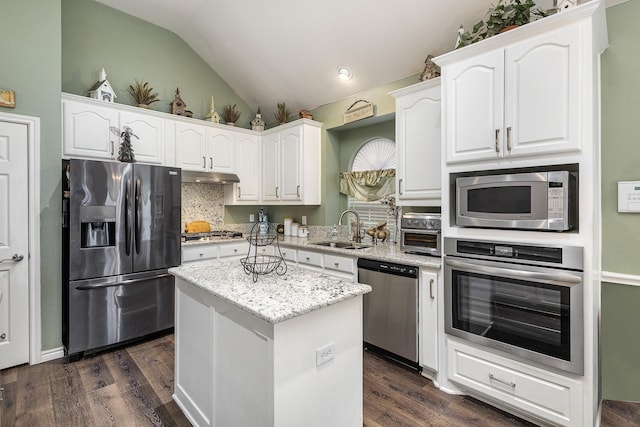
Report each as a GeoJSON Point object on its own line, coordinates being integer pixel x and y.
{"type": "Point", "coordinates": [204, 162]}
{"type": "Point", "coordinates": [307, 258]}
{"type": "Point", "coordinates": [400, 186]}
{"type": "Point", "coordinates": [336, 264]}
{"type": "Point", "coordinates": [498, 380]}
{"type": "Point", "coordinates": [239, 192]}
{"type": "Point", "coordinates": [298, 191]}
{"type": "Point", "coordinates": [277, 188]}
{"type": "Point", "coordinates": [235, 250]}
{"type": "Point", "coordinates": [509, 138]}
{"type": "Point", "coordinates": [112, 148]}
{"type": "Point", "coordinates": [431, 289]}
{"type": "Point", "coordinates": [497, 140]}
{"type": "Point", "coordinates": [14, 258]}
{"type": "Point", "coordinates": [210, 162]}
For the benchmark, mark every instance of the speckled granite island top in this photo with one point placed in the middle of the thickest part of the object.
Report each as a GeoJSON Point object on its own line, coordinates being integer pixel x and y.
{"type": "Point", "coordinates": [272, 298]}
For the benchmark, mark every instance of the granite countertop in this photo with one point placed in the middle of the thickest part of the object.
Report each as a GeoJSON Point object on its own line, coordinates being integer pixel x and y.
{"type": "Point", "coordinates": [382, 251]}
{"type": "Point", "coordinates": [273, 298]}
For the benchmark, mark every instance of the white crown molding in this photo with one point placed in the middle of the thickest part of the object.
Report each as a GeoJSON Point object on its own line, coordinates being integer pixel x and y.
{"type": "Point", "coordinates": [610, 3]}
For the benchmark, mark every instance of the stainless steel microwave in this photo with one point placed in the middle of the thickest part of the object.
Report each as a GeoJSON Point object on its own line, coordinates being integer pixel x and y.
{"type": "Point", "coordinates": [545, 201]}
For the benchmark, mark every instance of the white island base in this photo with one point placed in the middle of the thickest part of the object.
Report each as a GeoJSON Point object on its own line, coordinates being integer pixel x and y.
{"type": "Point", "coordinates": [236, 369]}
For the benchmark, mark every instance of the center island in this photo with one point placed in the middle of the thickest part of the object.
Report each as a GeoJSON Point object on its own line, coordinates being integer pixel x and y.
{"type": "Point", "coordinates": [283, 351]}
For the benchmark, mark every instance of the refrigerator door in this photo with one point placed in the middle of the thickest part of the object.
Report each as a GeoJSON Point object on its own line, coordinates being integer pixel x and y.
{"type": "Point", "coordinates": [157, 221]}
{"type": "Point", "coordinates": [100, 224]}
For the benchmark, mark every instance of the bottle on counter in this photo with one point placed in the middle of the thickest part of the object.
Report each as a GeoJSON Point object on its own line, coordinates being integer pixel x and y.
{"type": "Point", "coordinates": [287, 226]}
{"type": "Point", "coordinates": [294, 228]}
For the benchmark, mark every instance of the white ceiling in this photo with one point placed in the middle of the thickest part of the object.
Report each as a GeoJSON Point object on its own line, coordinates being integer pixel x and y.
{"type": "Point", "coordinates": [289, 50]}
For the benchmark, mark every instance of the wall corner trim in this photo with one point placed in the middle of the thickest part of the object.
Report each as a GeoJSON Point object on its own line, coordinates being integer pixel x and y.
{"type": "Point", "coordinates": [52, 354]}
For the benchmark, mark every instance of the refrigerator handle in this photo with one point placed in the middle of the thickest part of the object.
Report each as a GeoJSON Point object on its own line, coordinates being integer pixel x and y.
{"type": "Point", "coordinates": [127, 218]}
{"type": "Point", "coordinates": [138, 236]}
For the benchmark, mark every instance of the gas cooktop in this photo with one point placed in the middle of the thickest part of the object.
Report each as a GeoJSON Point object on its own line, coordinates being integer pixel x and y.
{"type": "Point", "coordinates": [212, 235]}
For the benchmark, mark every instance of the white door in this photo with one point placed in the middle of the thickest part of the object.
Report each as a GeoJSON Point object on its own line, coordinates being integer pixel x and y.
{"type": "Point", "coordinates": [14, 230]}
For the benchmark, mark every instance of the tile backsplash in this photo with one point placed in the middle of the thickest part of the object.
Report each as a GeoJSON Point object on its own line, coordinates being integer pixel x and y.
{"type": "Point", "coordinates": [203, 202]}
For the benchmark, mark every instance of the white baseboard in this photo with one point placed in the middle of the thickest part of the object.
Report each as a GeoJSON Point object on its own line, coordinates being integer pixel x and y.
{"type": "Point", "coordinates": [620, 279]}
{"type": "Point", "coordinates": [52, 354]}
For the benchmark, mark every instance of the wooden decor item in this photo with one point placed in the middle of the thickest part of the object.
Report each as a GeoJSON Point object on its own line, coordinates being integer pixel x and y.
{"type": "Point", "coordinates": [7, 98]}
{"type": "Point", "coordinates": [361, 112]}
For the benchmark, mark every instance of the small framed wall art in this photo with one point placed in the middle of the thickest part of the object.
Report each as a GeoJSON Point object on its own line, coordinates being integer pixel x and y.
{"type": "Point", "coordinates": [7, 98]}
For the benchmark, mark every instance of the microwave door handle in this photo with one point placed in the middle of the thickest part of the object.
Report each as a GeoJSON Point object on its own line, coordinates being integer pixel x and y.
{"type": "Point", "coordinates": [556, 278]}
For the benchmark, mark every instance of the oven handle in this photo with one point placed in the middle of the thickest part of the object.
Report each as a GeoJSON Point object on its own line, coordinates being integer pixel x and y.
{"type": "Point", "coordinates": [557, 277]}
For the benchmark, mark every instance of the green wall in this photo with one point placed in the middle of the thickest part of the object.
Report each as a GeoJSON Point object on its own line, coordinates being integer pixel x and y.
{"type": "Point", "coordinates": [30, 46]}
{"type": "Point", "coordinates": [620, 232]}
{"type": "Point", "coordinates": [96, 36]}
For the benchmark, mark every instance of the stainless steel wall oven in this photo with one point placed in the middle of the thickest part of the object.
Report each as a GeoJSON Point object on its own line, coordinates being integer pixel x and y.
{"type": "Point", "coordinates": [525, 300]}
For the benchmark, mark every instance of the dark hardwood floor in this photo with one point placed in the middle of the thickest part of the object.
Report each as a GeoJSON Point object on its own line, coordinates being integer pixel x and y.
{"type": "Point", "coordinates": [132, 386]}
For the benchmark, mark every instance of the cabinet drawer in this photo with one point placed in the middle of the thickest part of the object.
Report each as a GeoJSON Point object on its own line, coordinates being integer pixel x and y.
{"type": "Point", "coordinates": [262, 250]}
{"type": "Point", "coordinates": [289, 254]}
{"type": "Point", "coordinates": [339, 263]}
{"type": "Point", "coordinates": [234, 249]}
{"type": "Point", "coordinates": [310, 258]}
{"type": "Point", "coordinates": [541, 393]}
{"type": "Point", "coordinates": [199, 252]}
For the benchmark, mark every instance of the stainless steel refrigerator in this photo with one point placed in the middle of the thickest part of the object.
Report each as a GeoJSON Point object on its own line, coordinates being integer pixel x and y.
{"type": "Point", "coordinates": [121, 232]}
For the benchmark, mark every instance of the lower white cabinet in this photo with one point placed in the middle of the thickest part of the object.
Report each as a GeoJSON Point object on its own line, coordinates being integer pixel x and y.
{"type": "Point", "coordinates": [199, 252]}
{"type": "Point", "coordinates": [534, 393]}
{"type": "Point", "coordinates": [310, 259]}
{"type": "Point", "coordinates": [235, 249]}
{"type": "Point", "coordinates": [341, 266]}
{"type": "Point", "coordinates": [428, 320]}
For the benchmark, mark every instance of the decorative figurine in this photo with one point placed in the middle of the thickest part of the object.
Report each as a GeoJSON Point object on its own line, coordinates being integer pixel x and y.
{"type": "Point", "coordinates": [212, 115]}
{"type": "Point", "coordinates": [257, 123]}
{"type": "Point", "coordinates": [565, 4]}
{"type": "Point", "coordinates": [378, 232]}
{"type": "Point", "coordinates": [178, 107]}
{"type": "Point", "coordinates": [305, 114]}
{"type": "Point", "coordinates": [125, 153]}
{"type": "Point", "coordinates": [431, 69]}
{"type": "Point", "coordinates": [102, 90]}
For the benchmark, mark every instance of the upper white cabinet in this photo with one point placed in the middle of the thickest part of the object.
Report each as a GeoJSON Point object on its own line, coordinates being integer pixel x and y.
{"type": "Point", "coordinates": [191, 146]}
{"type": "Point", "coordinates": [520, 100]}
{"type": "Point", "coordinates": [222, 150]}
{"type": "Point", "coordinates": [418, 144]}
{"type": "Point", "coordinates": [86, 128]}
{"type": "Point", "coordinates": [247, 191]}
{"type": "Point", "coordinates": [291, 163]}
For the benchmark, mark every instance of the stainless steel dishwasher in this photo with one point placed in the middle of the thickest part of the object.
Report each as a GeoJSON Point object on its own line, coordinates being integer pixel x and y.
{"type": "Point", "coordinates": [390, 310]}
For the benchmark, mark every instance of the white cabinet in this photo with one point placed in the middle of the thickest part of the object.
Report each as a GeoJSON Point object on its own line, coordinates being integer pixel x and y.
{"type": "Point", "coordinates": [149, 146]}
{"type": "Point", "coordinates": [291, 163]}
{"type": "Point", "coordinates": [498, 105]}
{"type": "Point", "coordinates": [540, 393]}
{"type": "Point", "coordinates": [199, 252]}
{"type": "Point", "coordinates": [418, 144]}
{"type": "Point", "coordinates": [428, 318]}
{"type": "Point", "coordinates": [247, 153]}
{"type": "Point", "coordinates": [87, 130]}
{"type": "Point", "coordinates": [191, 141]}
{"type": "Point", "coordinates": [221, 150]}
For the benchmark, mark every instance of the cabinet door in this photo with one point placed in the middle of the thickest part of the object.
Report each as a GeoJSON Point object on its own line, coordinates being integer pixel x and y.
{"type": "Point", "coordinates": [248, 168]}
{"type": "Point", "coordinates": [221, 154]}
{"type": "Point", "coordinates": [418, 141]}
{"type": "Point", "coordinates": [87, 131]}
{"type": "Point", "coordinates": [190, 146]}
{"type": "Point", "coordinates": [148, 147]}
{"type": "Point", "coordinates": [428, 352]}
{"type": "Point", "coordinates": [542, 114]}
{"type": "Point", "coordinates": [291, 146]}
{"type": "Point", "coordinates": [474, 99]}
{"type": "Point", "coordinates": [271, 167]}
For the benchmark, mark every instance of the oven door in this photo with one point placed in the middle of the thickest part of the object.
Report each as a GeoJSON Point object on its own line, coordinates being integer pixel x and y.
{"type": "Point", "coordinates": [531, 312]}
{"type": "Point", "coordinates": [421, 242]}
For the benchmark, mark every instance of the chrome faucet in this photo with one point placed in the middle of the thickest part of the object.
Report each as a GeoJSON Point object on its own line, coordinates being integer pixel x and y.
{"type": "Point", "coordinates": [358, 237]}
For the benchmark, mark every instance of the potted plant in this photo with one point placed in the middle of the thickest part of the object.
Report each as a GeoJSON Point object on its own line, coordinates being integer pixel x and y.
{"type": "Point", "coordinates": [282, 114]}
{"type": "Point", "coordinates": [143, 94]}
{"type": "Point", "coordinates": [503, 16]}
{"type": "Point", "coordinates": [230, 114]}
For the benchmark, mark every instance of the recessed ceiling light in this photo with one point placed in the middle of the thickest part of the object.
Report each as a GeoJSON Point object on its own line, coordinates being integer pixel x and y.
{"type": "Point", "coordinates": [344, 73]}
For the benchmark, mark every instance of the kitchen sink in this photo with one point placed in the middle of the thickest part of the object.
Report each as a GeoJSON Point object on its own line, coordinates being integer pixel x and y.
{"type": "Point", "coordinates": [342, 245]}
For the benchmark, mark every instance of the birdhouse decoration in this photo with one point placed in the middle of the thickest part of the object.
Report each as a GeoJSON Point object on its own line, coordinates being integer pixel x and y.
{"type": "Point", "coordinates": [212, 115]}
{"type": "Point", "coordinates": [102, 90]}
{"type": "Point", "coordinates": [563, 5]}
{"type": "Point", "coordinates": [257, 123]}
{"type": "Point", "coordinates": [178, 107]}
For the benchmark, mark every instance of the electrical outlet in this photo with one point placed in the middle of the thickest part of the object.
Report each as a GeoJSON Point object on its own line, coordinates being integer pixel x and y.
{"type": "Point", "coordinates": [252, 218]}
{"type": "Point", "coordinates": [325, 354]}
{"type": "Point", "coordinates": [304, 220]}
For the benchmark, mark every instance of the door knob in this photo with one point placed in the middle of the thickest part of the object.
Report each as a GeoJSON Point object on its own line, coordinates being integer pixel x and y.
{"type": "Point", "coordinates": [14, 258]}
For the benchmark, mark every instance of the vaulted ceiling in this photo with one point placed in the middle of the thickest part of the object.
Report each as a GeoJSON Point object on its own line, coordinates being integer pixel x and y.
{"type": "Point", "coordinates": [288, 50]}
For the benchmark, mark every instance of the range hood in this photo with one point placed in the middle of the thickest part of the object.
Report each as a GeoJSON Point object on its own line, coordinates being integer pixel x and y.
{"type": "Point", "coordinates": [209, 177]}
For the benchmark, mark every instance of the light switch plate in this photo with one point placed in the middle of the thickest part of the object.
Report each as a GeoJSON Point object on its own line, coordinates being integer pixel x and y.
{"type": "Point", "coordinates": [629, 196]}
